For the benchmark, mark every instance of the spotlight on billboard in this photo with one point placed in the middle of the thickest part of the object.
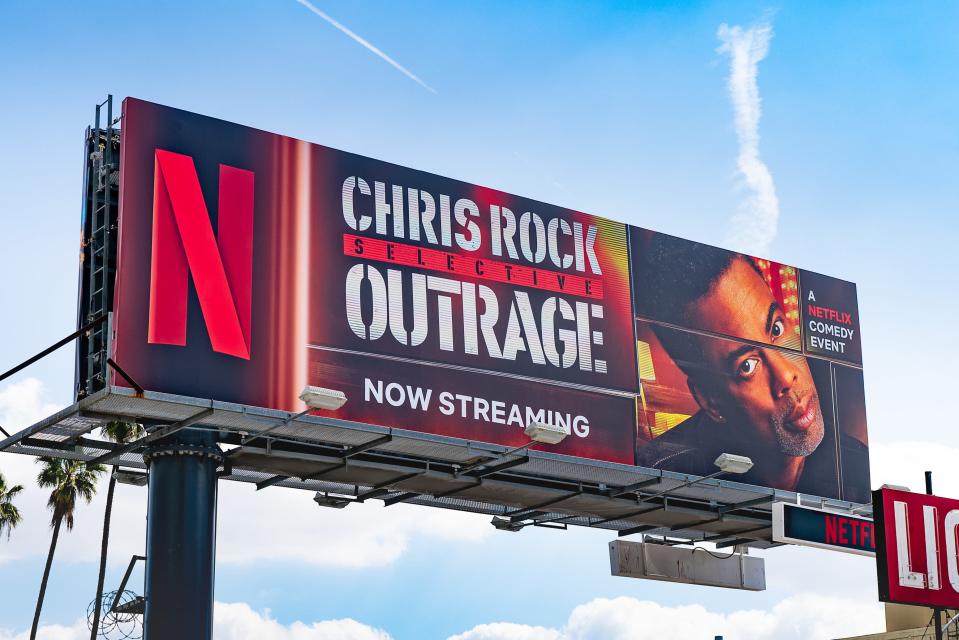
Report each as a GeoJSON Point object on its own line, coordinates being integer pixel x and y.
{"type": "Point", "coordinates": [322, 398]}
{"type": "Point", "coordinates": [545, 433]}
{"type": "Point", "coordinates": [504, 524]}
{"type": "Point", "coordinates": [731, 463]}
{"type": "Point", "coordinates": [332, 502]}
{"type": "Point", "coordinates": [133, 478]}
{"type": "Point", "coordinates": [896, 487]}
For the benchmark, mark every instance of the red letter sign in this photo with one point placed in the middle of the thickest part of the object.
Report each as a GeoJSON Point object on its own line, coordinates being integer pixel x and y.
{"type": "Point", "coordinates": [916, 551]}
{"type": "Point", "coordinates": [183, 242]}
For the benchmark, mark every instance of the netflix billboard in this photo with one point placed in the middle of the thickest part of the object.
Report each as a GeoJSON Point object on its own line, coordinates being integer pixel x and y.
{"type": "Point", "coordinates": [917, 561]}
{"type": "Point", "coordinates": [252, 264]}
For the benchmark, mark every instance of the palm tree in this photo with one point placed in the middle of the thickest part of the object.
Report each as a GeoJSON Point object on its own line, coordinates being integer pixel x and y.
{"type": "Point", "coordinates": [9, 514]}
{"type": "Point", "coordinates": [121, 433]}
{"type": "Point", "coordinates": [68, 479]}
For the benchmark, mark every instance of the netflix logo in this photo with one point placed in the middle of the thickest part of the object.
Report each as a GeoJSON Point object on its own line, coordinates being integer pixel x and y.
{"type": "Point", "coordinates": [795, 524]}
{"type": "Point", "coordinates": [847, 531]}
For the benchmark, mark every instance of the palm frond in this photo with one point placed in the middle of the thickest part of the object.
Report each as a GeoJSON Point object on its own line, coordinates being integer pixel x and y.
{"type": "Point", "coordinates": [69, 479]}
{"type": "Point", "coordinates": [122, 432]}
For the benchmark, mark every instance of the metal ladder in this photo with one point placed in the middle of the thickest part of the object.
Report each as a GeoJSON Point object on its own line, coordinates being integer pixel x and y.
{"type": "Point", "coordinates": [99, 246]}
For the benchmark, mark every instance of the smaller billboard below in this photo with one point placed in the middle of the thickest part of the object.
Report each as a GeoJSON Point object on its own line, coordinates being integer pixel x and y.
{"type": "Point", "coordinates": [805, 526]}
{"type": "Point", "coordinates": [653, 561]}
{"type": "Point", "coordinates": [916, 548]}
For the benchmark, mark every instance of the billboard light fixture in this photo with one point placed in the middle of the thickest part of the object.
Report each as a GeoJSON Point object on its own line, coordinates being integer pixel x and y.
{"type": "Point", "coordinates": [727, 463]}
{"type": "Point", "coordinates": [545, 433]}
{"type": "Point", "coordinates": [731, 463]}
{"type": "Point", "coordinates": [133, 478]}
{"type": "Point", "coordinates": [322, 398]}
{"type": "Point", "coordinates": [332, 502]}
{"type": "Point", "coordinates": [896, 487]}
{"type": "Point", "coordinates": [314, 398]}
{"type": "Point", "coordinates": [538, 433]}
{"type": "Point", "coordinates": [505, 524]}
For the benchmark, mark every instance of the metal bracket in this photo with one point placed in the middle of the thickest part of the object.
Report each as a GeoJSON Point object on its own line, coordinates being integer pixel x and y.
{"type": "Point", "coordinates": [399, 498]}
{"type": "Point", "coordinates": [528, 512]}
{"type": "Point", "coordinates": [632, 488]}
{"type": "Point", "coordinates": [483, 471]}
{"type": "Point", "coordinates": [162, 432]}
{"type": "Point", "coordinates": [640, 529]}
{"type": "Point", "coordinates": [383, 488]}
{"type": "Point", "coordinates": [345, 455]}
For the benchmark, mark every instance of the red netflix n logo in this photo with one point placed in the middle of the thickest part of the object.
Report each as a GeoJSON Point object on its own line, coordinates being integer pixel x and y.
{"type": "Point", "coordinates": [183, 243]}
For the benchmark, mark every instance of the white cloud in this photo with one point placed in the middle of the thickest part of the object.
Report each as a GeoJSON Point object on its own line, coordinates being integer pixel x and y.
{"type": "Point", "coordinates": [288, 526]}
{"type": "Point", "coordinates": [904, 463]}
{"type": "Point", "coordinates": [754, 225]}
{"type": "Point", "coordinates": [77, 631]}
{"type": "Point", "coordinates": [803, 617]}
{"type": "Point", "coordinates": [285, 523]}
{"type": "Point", "coordinates": [500, 630]}
{"type": "Point", "coordinates": [23, 403]}
{"type": "Point", "coordinates": [236, 621]}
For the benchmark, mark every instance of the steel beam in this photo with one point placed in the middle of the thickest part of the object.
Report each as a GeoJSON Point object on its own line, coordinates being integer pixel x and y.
{"type": "Point", "coordinates": [451, 492]}
{"type": "Point", "coordinates": [640, 529]}
{"type": "Point", "coordinates": [632, 488]}
{"type": "Point", "coordinates": [383, 488]}
{"type": "Point", "coordinates": [161, 432]}
{"type": "Point", "coordinates": [347, 454]}
{"type": "Point", "coordinates": [482, 472]}
{"type": "Point", "coordinates": [626, 516]}
{"type": "Point", "coordinates": [399, 498]}
{"type": "Point", "coordinates": [527, 512]}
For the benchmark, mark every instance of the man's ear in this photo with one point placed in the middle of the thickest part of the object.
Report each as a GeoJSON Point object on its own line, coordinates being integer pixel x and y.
{"type": "Point", "coordinates": [706, 401]}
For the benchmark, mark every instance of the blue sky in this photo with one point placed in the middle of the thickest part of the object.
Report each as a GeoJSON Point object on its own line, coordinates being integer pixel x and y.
{"type": "Point", "coordinates": [618, 109]}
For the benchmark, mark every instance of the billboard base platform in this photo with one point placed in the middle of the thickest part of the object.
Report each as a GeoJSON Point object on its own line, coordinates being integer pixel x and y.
{"type": "Point", "coordinates": [348, 462]}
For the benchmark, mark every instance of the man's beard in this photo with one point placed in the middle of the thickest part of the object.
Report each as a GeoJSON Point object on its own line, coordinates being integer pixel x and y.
{"type": "Point", "coordinates": [802, 442]}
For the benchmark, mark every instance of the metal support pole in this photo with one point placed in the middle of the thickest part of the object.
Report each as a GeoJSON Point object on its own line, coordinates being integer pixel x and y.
{"type": "Point", "coordinates": [936, 612]}
{"type": "Point", "coordinates": [181, 536]}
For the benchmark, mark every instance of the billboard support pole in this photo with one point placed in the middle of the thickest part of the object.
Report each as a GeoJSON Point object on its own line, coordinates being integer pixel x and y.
{"type": "Point", "coordinates": [181, 536]}
{"type": "Point", "coordinates": [936, 612]}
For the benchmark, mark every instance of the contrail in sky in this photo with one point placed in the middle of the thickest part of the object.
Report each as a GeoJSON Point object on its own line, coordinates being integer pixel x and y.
{"type": "Point", "coordinates": [406, 72]}
{"type": "Point", "coordinates": [754, 226]}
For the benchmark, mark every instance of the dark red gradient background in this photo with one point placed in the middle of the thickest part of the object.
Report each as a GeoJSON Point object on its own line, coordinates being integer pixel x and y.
{"type": "Point", "coordinates": [610, 436]}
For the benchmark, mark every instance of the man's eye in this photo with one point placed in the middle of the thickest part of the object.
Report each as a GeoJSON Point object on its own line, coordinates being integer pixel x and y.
{"type": "Point", "coordinates": [748, 367]}
{"type": "Point", "coordinates": [778, 329]}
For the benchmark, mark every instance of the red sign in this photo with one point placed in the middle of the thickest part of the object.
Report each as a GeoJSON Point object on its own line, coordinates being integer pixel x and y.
{"type": "Point", "coordinates": [916, 550]}
{"type": "Point", "coordinates": [183, 242]}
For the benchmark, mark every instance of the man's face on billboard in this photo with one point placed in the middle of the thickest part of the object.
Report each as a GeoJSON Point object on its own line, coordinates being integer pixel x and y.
{"type": "Point", "coordinates": [769, 391]}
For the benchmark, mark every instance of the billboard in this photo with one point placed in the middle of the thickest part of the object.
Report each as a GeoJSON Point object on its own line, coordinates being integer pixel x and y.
{"type": "Point", "coordinates": [806, 526]}
{"type": "Point", "coordinates": [251, 264]}
{"type": "Point", "coordinates": [917, 561]}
